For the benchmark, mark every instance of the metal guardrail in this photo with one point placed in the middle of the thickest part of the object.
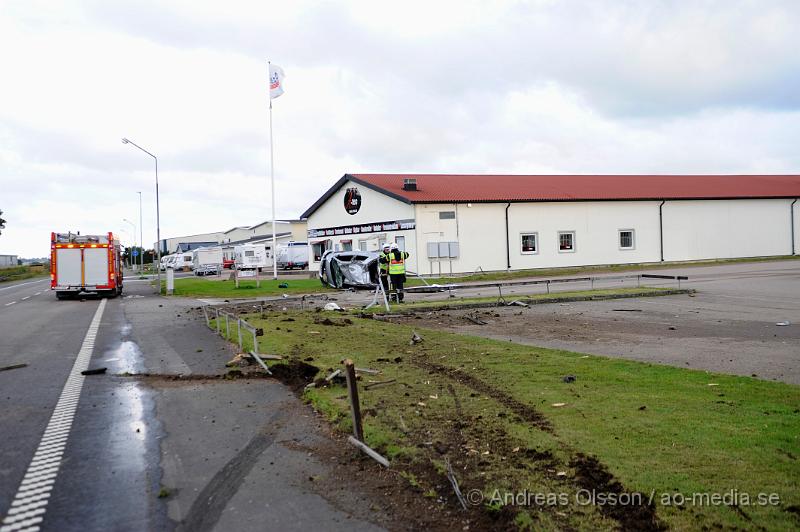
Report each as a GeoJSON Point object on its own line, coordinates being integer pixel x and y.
{"type": "Point", "coordinates": [240, 325]}
{"type": "Point", "coordinates": [547, 282]}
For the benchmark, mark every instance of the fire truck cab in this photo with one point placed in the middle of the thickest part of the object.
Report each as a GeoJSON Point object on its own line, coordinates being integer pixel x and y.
{"type": "Point", "coordinates": [85, 263]}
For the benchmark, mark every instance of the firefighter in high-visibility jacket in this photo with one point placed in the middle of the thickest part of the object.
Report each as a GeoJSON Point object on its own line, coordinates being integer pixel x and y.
{"type": "Point", "coordinates": [397, 270]}
{"type": "Point", "coordinates": [383, 264]}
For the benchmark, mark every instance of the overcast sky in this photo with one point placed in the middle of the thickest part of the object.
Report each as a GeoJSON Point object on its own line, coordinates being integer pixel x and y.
{"type": "Point", "coordinates": [432, 86]}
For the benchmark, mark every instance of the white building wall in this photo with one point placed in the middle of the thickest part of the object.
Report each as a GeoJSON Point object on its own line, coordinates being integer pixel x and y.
{"type": "Point", "coordinates": [796, 209]}
{"type": "Point", "coordinates": [481, 233]}
{"type": "Point", "coordinates": [711, 229]}
{"type": "Point", "coordinates": [375, 207]}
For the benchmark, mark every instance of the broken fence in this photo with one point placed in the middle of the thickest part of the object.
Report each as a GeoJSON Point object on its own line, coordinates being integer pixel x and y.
{"type": "Point", "coordinates": [241, 325]}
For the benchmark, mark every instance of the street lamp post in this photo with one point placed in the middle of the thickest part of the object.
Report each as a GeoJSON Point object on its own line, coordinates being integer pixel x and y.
{"type": "Point", "coordinates": [141, 239]}
{"type": "Point", "coordinates": [158, 216]}
{"type": "Point", "coordinates": [132, 260]}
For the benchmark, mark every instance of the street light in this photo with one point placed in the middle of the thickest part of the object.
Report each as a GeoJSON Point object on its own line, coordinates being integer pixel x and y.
{"type": "Point", "coordinates": [158, 216]}
{"type": "Point", "coordinates": [132, 261]}
{"type": "Point", "coordinates": [141, 238]}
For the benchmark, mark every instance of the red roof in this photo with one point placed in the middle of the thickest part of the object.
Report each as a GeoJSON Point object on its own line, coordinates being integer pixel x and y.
{"type": "Point", "coordinates": [488, 188]}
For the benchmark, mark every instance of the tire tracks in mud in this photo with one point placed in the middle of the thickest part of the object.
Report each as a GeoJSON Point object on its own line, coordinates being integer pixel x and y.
{"type": "Point", "coordinates": [590, 473]}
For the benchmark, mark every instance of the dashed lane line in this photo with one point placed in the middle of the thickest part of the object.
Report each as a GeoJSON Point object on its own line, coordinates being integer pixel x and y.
{"type": "Point", "coordinates": [29, 505]}
{"type": "Point", "coordinates": [9, 304]}
{"type": "Point", "coordinates": [21, 284]}
{"type": "Point", "coordinates": [26, 297]}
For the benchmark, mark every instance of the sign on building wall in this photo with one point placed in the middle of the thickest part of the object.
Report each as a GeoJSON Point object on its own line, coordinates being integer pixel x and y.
{"type": "Point", "coordinates": [352, 200]}
{"type": "Point", "coordinates": [377, 227]}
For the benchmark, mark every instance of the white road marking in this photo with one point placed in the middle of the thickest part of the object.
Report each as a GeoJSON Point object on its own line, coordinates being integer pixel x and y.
{"type": "Point", "coordinates": [26, 297]}
{"type": "Point", "coordinates": [29, 505]}
{"type": "Point", "coordinates": [22, 284]}
{"type": "Point", "coordinates": [9, 304]}
{"type": "Point", "coordinates": [37, 293]}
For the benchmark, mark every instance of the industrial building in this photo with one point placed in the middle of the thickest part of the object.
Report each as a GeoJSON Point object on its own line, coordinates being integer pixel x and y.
{"type": "Point", "coordinates": [8, 261]}
{"type": "Point", "coordinates": [286, 230]}
{"type": "Point", "coordinates": [467, 223]}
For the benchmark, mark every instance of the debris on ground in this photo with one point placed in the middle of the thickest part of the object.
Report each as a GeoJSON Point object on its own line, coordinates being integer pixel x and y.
{"type": "Point", "coordinates": [569, 378]}
{"type": "Point", "coordinates": [12, 366]}
{"type": "Point", "coordinates": [332, 306]}
{"type": "Point", "coordinates": [328, 321]}
{"type": "Point", "coordinates": [415, 339]}
{"type": "Point", "coordinates": [94, 371]}
{"type": "Point", "coordinates": [517, 303]}
{"type": "Point", "coordinates": [379, 383]}
{"type": "Point", "coordinates": [559, 405]}
{"type": "Point", "coordinates": [283, 285]}
{"type": "Point", "coordinates": [672, 328]}
{"type": "Point", "coordinates": [643, 407]}
{"type": "Point", "coordinates": [626, 310]}
{"type": "Point", "coordinates": [782, 323]}
{"type": "Point", "coordinates": [240, 360]}
{"type": "Point", "coordinates": [475, 319]}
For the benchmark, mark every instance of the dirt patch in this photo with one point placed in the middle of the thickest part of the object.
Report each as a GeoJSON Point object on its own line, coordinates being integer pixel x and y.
{"type": "Point", "coordinates": [591, 475]}
{"type": "Point", "coordinates": [526, 412]}
{"type": "Point", "coordinates": [294, 373]}
{"type": "Point", "coordinates": [336, 323]}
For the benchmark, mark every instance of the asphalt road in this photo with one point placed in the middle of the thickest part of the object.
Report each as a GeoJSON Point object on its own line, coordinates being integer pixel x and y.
{"type": "Point", "coordinates": [152, 453]}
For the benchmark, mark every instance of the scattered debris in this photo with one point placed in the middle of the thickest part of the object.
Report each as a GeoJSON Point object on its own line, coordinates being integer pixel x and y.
{"type": "Point", "coordinates": [568, 378]}
{"type": "Point", "coordinates": [517, 303]}
{"type": "Point", "coordinates": [367, 370]}
{"type": "Point", "coordinates": [368, 451]}
{"type": "Point", "coordinates": [241, 360]}
{"type": "Point", "coordinates": [475, 320]}
{"type": "Point", "coordinates": [672, 328]}
{"type": "Point", "coordinates": [415, 338]}
{"type": "Point", "coordinates": [452, 478]}
{"type": "Point", "coordinates": [713, 384]}
{"type": "Point", "coordinates": [12, 366]}
{"type": "Point", "coordinates": [95, 371]}
{"type": "Point", "coordinates": [782, 323]}
{"type": "Point", "coordinates": [332, 306]}
{"type": "Point", "coordinates": [379, 383]}
{"type": "Point", "coordinates": [643, 407]}
{"type": "Point", "coordinates": [283, 285]}
{"type": "Point", "coordinates": [559, 405]}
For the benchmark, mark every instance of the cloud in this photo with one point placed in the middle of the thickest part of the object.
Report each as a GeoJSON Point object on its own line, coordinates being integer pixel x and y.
{"type": "Point", "coordinates": [474, 87]}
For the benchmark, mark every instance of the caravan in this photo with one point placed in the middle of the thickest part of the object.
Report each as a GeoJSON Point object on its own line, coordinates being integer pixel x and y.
{"type": "Point", "coordinates": [251, 257]}
{"type": "Point", "coordinates": [293, 255]}
{"type": "Point", "coordinates": [207, 261]}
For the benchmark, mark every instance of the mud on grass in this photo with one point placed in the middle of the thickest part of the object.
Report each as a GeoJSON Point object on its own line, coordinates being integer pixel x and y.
{"type": "Point", "coordinates": [490, 408]}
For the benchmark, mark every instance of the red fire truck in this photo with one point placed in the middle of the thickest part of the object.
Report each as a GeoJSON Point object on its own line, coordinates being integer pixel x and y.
{"type": "Point", "coordinates": [85, 263]}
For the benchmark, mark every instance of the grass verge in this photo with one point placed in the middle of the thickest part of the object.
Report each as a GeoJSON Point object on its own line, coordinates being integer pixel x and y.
{"type": "Point", "coordinates": [18, 273]}
{"type": "Point", "coordinates": [212, 287]}
{"type": "Point", "coordinates": [507, 422]}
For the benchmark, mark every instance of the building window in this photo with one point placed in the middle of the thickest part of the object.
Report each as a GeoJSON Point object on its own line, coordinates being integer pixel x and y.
{"type": "Point", "coordinates": [362, 245]}
{"type": "Point", "coordinates": [530, 244]}
{"type": "Point", "coordinates": [447, 215]}
{"type": "Point", "coordinates": [401, 242]}
{"type": "Point", "coordinates": [347, 245]}
{"type": "Point", "coordinates": [318, 248]}
{"type": "Point", "coordinates": [566, 241]}
{"type": "Point", "coordinates": [626, 239]}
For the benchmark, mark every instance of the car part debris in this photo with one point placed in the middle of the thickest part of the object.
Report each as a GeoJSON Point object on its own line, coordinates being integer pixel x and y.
{"type": "Point", "coordinates": [475, 320]}
{"type": "Point", "coordinates": [569, 378]}
{"type": "Point", "coordinates": [332, 306]}
{"type": "Point", "coordinates": [349, 269]}
{"type": "Point", "coordinates": [13, 366]}
{"type": "Point", "coordinates": [415, 339]}
{"type": "Point", "coordinates": [95, 371]}
{"type": "Point", "coordinates": [782, 323]}
{"type": "Point", "coordinates": [517, 303]}
{"type": "Point", "coordinates": [379, 383]}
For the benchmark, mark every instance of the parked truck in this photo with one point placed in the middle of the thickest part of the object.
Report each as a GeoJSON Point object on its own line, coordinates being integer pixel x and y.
{"type": "Point", "coordinates": [293, 255]}
{"type": "Point", "coordinates": [85, 263]}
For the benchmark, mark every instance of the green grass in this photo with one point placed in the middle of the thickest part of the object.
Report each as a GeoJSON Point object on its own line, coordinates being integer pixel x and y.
{"type": "Point", "coordinates": [585, 270]}
{"type": "Point", "coordinates": [740, 434]}
{"type": "Point", "coordinates": [457, 302]}
{"type": "Point", "coordinates": [18, 273]}
{"type": "Point", "coordinates": [207, 287]}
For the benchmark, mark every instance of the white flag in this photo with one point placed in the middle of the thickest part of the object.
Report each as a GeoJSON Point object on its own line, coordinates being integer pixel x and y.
{"type": "Point", "coordinates": [276, 76]}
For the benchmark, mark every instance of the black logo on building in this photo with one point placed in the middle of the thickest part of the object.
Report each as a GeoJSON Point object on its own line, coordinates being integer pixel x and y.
{"type": "Point", "coordinates": [352, 200]}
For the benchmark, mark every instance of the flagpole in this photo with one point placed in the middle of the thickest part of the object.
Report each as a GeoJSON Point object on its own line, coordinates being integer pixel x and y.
{"type": "Point", "coordinates": [272, 183]}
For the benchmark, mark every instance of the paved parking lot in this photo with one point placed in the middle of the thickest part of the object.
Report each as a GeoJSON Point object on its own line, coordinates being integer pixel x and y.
{"type": "Point", "coordinates": [728, 326]}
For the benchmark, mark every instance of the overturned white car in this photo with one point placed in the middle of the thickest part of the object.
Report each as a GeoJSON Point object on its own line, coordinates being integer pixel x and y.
{"type": "Point", "coordinates": [349, 269]}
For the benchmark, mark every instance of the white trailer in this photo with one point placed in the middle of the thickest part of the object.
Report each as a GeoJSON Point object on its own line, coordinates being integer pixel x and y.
{"type": "Point", "coordinates": [206, 260]}
{"type": "Point", "coordinates": [183, 261]}
{"type": "Point", "coordinates": [293, 255]}
{"type": "Point", "coordinates": [251, 257]}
